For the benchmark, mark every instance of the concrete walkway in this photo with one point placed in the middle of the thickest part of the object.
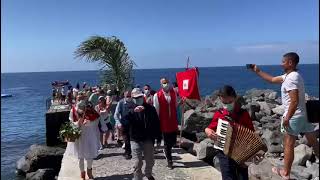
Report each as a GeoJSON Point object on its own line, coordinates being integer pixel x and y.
{"type": "Point", "coordinates": [111, 165]}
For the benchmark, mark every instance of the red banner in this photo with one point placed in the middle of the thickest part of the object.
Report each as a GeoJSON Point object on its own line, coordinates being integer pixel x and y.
{"type": "Point", "coordinates": [188, 83]}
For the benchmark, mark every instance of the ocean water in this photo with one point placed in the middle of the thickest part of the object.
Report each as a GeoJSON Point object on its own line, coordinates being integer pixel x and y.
{"type": "Point", "coordinates": [23, 115]}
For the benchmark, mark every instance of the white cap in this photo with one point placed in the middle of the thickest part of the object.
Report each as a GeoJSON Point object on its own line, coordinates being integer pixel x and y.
{"type": "Point", "coordinates": [136, 92]}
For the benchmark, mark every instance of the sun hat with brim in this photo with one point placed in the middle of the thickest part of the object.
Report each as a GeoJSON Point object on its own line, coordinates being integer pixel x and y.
{"type": "Point", "coordinates": [136, 92]}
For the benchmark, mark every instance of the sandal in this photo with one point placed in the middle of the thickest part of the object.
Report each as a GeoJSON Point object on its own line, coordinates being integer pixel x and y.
{"type": "Point", "coordinates": [278, 171]}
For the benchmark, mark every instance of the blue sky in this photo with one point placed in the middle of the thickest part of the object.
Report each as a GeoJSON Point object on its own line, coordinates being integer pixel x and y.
{"type": "Point", "coordinates": [39, 35]}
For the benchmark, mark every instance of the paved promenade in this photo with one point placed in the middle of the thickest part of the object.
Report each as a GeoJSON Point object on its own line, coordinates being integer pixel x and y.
{"type": "Point", "coordinates": [111, 165]}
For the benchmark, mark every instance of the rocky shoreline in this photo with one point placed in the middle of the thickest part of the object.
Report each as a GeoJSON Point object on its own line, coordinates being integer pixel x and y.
{"type": "Point", "coordinates": [264, 106]}
{"type": "Point", "coordinates": [40, 162]}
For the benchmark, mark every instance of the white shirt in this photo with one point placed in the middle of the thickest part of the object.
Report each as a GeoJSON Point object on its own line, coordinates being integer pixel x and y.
{"type": "Point", "coordinates": [290, 82]}
{"type": "Point", "coordinates": [104, 113]}
{"type": "Point", "coordinates": [168, 98]}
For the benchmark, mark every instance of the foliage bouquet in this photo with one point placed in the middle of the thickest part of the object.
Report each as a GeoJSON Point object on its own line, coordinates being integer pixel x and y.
{"type": "Point", "coordinates": [69, 132]}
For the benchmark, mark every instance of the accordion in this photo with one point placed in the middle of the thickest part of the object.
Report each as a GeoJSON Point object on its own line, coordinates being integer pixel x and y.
{"type": "Point", "coordinates": [313, 107]}
{"type": "Point", "coordinates": [238, 142]}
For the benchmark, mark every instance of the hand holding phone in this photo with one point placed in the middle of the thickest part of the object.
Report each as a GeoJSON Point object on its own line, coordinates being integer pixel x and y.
{"type": "Point", "coordinates": [250, 66]}
{"type": "Point", "coordinates": [253, 67]}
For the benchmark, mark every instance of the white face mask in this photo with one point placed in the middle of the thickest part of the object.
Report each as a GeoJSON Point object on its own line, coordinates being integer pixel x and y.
{"type": "Point", "coordinates": [165, 86]}
{"type": "Point", "coordinates": [147, 92]}
{"type": "Point", "coordinates": [138, 101]}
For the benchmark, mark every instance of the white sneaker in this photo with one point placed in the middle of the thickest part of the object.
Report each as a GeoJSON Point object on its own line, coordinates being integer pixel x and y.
{"type": "Point", "coordinates": [123, 146]}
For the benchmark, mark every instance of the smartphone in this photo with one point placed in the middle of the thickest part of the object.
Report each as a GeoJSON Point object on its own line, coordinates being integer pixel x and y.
{"type": "Point", "coordinates": [249, 66]}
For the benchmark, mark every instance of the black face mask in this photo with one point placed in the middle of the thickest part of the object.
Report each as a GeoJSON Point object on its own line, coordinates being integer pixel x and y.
{"type": "Point", "coordinates": [138, 101]}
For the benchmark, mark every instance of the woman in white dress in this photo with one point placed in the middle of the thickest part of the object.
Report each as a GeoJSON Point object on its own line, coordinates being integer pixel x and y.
{"type": "Point", "coordinates": [86, 147]}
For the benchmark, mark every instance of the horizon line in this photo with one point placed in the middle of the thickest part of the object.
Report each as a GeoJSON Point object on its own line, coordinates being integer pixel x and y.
{"type": "Point", "coordinates": [150, 68]}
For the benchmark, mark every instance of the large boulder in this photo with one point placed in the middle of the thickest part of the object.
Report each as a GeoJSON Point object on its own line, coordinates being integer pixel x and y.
{"type": "Point", "coordinates": [259, 115]}
{"type": "Point", "coordinates": [201, 136]}
{"type": "Point", "coordinates": [278, 110]}
{"type": "Point", "coordinates": [302, 153]}
{"type": "Point", "coordinates": [196, 121]}
{"type": "Point", "coordinates": [187, 145]}
{"type": "Point", "coordinates": [22, 166]}
{"type": "Point", "coordinates": [262, 171]}
{"type": "Point", "coordinates": [300, 172]}
{"type": "Point", "coordinates": [40, 157]}
{"type": "Point", "coordinates": [252, 109]}
{"type": "Point", "coordinates": [272, 95]}
{"type": "Point", "coordinates": [265, 107]}
{"type": "Point", "coordinates": [205, 150]}
{"type": "Point", "coordinates": [191, 104]}
{"type": "Point", "coordinates": [254, 93]}
{"type": "Point", "coordinates": [41, 174]}
{"type": "Point", "coordinates": [273, 140]}
{"type": "Point", "coordinates": [313, 170]}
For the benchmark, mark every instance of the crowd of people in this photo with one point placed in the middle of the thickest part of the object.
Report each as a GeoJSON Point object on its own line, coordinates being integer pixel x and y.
{"type": "Point", "coordinates": [143, 118]}
{"type": "Point", "coordinates": [140, 121]}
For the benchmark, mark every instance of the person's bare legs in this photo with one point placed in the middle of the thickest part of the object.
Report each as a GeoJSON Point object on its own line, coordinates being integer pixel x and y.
{"type": "Point", "coordinates": [101, 138]}
{"type": "Point", "coordinates": [106, 137]}
{"type": "Point", "coordinates": [313, 142]}
{"type": "Point", "coordinates": [289, 142]}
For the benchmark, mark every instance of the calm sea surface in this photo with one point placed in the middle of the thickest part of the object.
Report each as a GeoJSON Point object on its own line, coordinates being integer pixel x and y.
{"type": "Point", "coordinates": [23, 115]}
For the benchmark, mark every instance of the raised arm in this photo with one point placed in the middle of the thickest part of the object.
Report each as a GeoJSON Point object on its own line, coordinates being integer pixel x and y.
{"type": "Point", "coordinates": [266, 76]}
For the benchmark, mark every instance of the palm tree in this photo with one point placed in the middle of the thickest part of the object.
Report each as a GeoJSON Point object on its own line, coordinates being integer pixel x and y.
{"type": "Point", "coordinates": [111, 53]}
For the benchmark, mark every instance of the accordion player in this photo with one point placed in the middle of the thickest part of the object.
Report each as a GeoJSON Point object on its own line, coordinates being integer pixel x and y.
{"type": "Point", "coordinates": [227, 120]}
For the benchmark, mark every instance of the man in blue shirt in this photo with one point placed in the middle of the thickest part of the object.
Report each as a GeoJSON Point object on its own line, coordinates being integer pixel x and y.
{"type": "Point", "coordinates": [122, 109]}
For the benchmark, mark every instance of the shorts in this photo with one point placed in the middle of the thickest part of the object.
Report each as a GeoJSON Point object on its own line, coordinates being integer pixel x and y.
{"type": "Point", "coordinates": [108, 125]}
{"type": "Point", "coordinates": [297, 125]}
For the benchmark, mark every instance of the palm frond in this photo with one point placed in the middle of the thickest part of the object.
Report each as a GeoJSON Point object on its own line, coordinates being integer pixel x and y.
{"type": "Point", "coordinates": [112, 55]}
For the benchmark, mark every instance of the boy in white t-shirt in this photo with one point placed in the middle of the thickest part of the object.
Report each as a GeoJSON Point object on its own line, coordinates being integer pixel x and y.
{"type": "Point", "coordinates": [294, 120]}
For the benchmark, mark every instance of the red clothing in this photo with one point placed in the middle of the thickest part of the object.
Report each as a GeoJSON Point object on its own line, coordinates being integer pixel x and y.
{"type": "Point", "coordinates": [90, 114]}
{"type": "Point", "coordinates": [243, 118]}
{"type": "Point", "coordinates": [167, 124]}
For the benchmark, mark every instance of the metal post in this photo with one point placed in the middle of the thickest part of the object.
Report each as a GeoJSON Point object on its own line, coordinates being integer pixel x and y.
{"type": "Point", "coordinates": [182, 123]}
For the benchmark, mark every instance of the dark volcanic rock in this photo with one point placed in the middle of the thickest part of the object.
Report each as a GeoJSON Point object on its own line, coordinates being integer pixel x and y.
{"type": "Point", "coordinates": [196, 121]}
{"type": "Point", "coordinates": [41, 157]}
{"type": "Point", "coordinates": [41, 174]}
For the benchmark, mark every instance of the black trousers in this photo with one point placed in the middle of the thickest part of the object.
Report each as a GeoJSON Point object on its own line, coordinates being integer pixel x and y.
{"type": "Point", "coordinates": [126, 137]}
{"type": "Point", "coordinates": [230, 170]}
{"type": "Point", "coordinates": [170, 140]}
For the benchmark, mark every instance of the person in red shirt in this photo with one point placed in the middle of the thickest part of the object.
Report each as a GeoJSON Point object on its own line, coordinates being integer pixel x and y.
{"type": "Point", "coordinates": [165, 102]}
{"type": "Point", "coordinates": [230, 170]}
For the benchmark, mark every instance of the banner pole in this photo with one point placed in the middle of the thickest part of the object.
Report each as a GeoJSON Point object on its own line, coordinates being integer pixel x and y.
{"type": "Point", "coordinates": [182, 122]}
